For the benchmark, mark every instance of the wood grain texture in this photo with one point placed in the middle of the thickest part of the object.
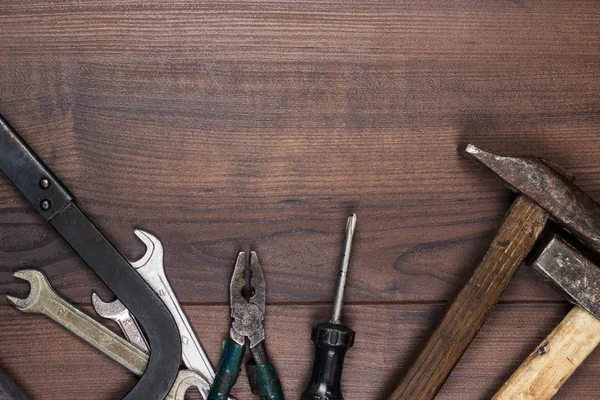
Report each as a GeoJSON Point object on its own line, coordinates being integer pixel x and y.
{"type": "Point", "coordinates": [469, 309]}
{"type": "Point", "coordinates": [224, 125]}
{"type": "Point", "coordinates": [50, 363]}
{"type": "Point", "coordinates": [549, 366]}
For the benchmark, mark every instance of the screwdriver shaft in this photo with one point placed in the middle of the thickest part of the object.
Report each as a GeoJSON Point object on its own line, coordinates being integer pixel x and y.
{"type": "Point", "coordinates": [336, 317]}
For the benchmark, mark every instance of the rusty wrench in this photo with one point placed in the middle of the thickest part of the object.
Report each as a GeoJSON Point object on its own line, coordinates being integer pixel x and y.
{"type": "Point", "coordinates": [44, 300]}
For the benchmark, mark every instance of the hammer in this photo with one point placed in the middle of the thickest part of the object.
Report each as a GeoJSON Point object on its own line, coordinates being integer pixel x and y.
{"type": "Point", "coordinates": [559, 355]}
{"type": "Point", "coordinates": [545, 190]}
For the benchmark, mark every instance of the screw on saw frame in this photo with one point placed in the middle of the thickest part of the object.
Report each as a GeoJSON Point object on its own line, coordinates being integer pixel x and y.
{"type": "Point", "coordinates": [45, 204]}
{"type": "Point", "coordinates": [45, 183]}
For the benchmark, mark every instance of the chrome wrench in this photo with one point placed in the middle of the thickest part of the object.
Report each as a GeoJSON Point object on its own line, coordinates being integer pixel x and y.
{"type": "Point", "coordinates": [44, 300]}
{"type": "Point", "coordinates": [150, 267]}
{"type": "Point", "coordinates": [117, 312]}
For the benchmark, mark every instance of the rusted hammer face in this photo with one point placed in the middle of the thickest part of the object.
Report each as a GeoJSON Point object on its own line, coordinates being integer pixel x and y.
{"type": "Point", "coordinates": [559, 355]}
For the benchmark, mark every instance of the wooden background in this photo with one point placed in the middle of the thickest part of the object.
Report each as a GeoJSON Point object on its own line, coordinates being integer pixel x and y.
{"type": "Point", "coordinates": [226, 125]}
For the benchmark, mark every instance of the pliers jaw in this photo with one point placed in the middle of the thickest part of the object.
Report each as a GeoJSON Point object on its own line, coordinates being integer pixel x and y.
{"type": "Point", "coordinates": [248, 315]}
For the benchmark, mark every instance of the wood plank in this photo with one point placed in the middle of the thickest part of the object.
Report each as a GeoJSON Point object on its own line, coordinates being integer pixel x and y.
{"type": "Point", "coordinates": [48, 362]}
{"type": "Point", "coordinates": [221, 125]}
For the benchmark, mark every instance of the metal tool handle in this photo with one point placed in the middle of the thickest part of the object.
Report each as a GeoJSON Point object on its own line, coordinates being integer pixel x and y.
{"type": "Point", "coordinates": [466, 314]}
{"type": "Point", "coordinates": [133, 333]}
{"type": "Point", "coordinates": [29, 174]}
{"type": "Point", "coordinates": [96, 334]}
{"type": "Point", "coordinates": [550, 365]}
{"type": "Point", "coordinates": [229, 370]}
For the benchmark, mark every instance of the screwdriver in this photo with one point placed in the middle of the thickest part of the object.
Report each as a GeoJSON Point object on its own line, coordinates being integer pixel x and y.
{"type": "Point", "coordinates": [332, 339]}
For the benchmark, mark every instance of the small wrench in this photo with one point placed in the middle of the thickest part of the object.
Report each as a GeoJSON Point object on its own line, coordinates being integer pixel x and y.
{"type": "Point", "coordinates": [44, 300]}
{"type": "Point", "coordinates": [187, 379]}
{"type": "Point", "coordinates": [150, 267]}
{"type": "Point", "coordinates": [117, 312]}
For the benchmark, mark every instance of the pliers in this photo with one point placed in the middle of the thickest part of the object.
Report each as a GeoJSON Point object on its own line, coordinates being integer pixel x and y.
{"type": "Point", "coordinates": [248, 318]}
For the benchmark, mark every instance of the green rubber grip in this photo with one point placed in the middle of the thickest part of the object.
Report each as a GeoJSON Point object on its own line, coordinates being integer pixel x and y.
{"type": "Point", "coordinates": [229, 370]}
{"type": "Point", "coordinates": [264, 381]}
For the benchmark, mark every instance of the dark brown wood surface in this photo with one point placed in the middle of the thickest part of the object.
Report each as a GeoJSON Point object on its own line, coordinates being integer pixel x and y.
{"type": "Point", "coordinates": [226, 125]}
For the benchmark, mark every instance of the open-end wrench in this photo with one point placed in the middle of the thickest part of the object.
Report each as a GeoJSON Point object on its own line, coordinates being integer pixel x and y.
{"type": "Point", "coordinates": [185, 380]}
{"type": "Point", "coordinates": [44, 300]}
{"type": "Point", "coordinates": [131, 329]}
{"type": "Point", "coordinates": [117, 312]}
{"type": "Point", "coordinates": [150, 268]}
{"type": "Point", "coordinates": [58, 206]}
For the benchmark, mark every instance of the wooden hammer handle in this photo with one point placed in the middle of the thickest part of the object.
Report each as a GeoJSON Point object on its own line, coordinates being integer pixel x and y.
{"type": "Point", "coordinates": [466, 314]}
{"type": "Point", "coordinates": [555, 360]}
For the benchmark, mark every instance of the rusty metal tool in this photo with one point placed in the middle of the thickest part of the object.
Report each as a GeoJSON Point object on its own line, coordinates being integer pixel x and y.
{"type": "Point", "coordinates": [549, 186]}
{"type": "Point", "coordinates": [42, 299]}
{"type": "Point", "coordinates": [247, 326]}
{"type": "Point", "coordinates": [332, 338]}
{"type": "Point", "coordinates": [56, 204]}
{"type": "Point", "coordinates": [545, 190]}
{"type": "Point", "coordinates": [550, 365]}
{"type": "Point", "coordinates": [519, 230]}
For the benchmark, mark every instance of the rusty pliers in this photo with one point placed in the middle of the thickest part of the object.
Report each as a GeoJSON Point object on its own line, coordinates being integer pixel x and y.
{"type": "Point", "coordinates": [248, 316]}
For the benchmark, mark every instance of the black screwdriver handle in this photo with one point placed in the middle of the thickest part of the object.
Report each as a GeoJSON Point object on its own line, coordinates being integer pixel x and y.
{"type": "Point", "coordinates": [332, 341]}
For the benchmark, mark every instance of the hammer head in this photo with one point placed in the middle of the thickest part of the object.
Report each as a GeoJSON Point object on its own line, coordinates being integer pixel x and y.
{"type": "Point", "coordinates": [572, 274]}
{"type": "Point", "coordinates": [550, 187]}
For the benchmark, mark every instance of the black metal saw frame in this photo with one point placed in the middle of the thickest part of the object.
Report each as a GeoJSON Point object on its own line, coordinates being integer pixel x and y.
{"type": "Point", "coordinates": [56, 204]}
